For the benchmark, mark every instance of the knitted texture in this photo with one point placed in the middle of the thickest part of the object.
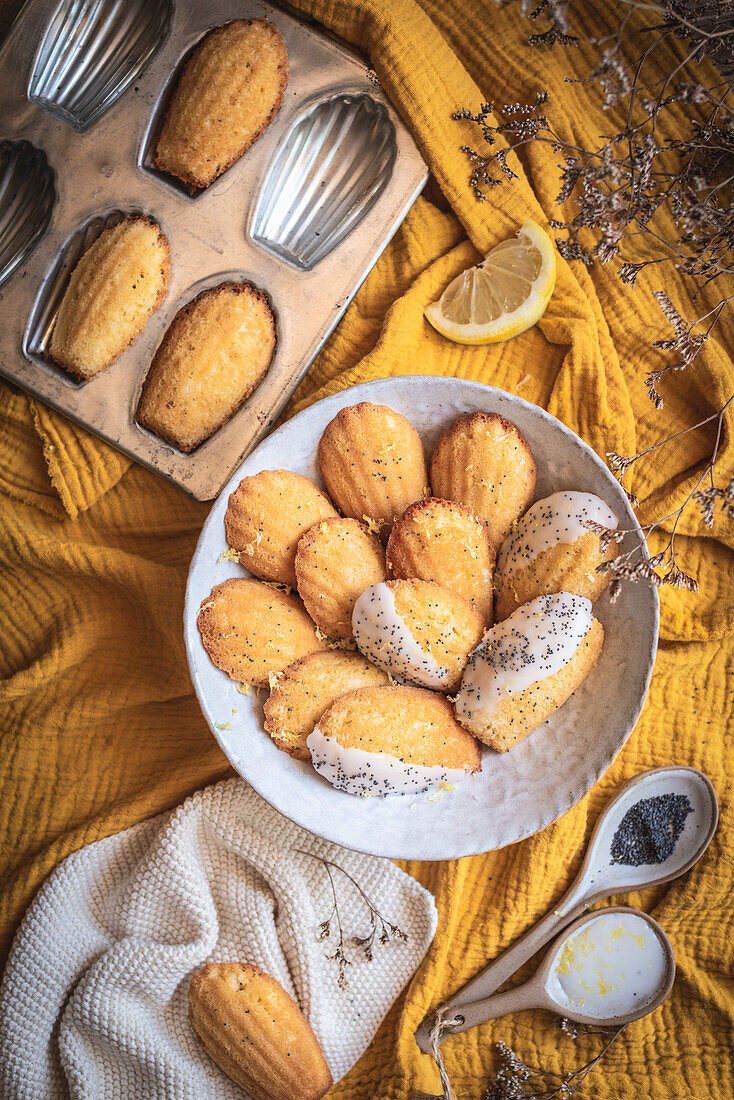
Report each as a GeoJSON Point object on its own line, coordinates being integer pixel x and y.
{"type": "Point", "coordinates": [94, 1000]}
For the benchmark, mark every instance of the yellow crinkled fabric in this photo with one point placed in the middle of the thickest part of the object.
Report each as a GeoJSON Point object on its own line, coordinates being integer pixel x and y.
{"type": "Point", "coordinates": [100, 728]}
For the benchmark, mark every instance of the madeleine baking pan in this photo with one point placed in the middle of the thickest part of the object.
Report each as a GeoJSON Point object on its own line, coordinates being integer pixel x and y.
{"type": "Point", "coordinates": [304, 214]}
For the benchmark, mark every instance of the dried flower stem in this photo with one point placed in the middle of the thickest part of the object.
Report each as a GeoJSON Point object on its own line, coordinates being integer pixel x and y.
{"type": "Point", "coordinates": [663, 568]}
{"type": "Point", "coordinates": [516, 1080]}
{"type": "Point", "coordinates": [381, 930]}
{"type": "Point", "coordinates": [621, 184]}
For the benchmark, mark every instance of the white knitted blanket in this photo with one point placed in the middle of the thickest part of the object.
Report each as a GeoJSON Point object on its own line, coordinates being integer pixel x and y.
{"type": "Point", "coordinates": [94, 999]}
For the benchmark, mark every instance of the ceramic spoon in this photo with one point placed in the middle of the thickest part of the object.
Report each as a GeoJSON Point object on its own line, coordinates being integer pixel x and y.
{"type": "Point", "coordinates": [600, 877]}
{"type": "Point", "coordinates": [546, 988]}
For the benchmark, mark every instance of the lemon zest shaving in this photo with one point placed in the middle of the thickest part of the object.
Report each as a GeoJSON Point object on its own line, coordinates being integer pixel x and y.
{"type": "Point", "coordinates": [228, 554]}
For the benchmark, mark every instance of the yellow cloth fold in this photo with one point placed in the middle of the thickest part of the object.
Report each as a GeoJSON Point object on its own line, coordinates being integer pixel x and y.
{"type": "Point", "coordinates": [99, 724]}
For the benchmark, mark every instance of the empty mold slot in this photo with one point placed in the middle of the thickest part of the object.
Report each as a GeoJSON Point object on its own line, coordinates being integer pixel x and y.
{"type": "Point", "coordinates": [91, 52]}
{"type": "Point", "coordinates": [45, 311]}
{"type": "Point", "coordinates": [327, 174]}
{"type": "Point", "coordinates": [27, 197]}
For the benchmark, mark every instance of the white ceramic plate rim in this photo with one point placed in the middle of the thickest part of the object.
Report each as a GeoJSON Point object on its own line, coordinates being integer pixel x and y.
{"type": "Point", "coordinates": [271, 781]}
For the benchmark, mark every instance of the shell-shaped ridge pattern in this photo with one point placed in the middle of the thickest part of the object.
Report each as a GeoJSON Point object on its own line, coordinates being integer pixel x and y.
{"type": "Point", "coordinates": [92, 52]}
{"type": "Point", "coordinates": [332, 167]}
{"type": "Point", "coordinates": [27, 197]}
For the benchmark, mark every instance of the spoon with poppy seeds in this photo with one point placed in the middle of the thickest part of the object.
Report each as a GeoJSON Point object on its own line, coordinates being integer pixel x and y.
{"type": "Point", "coordinates": [655, 828]}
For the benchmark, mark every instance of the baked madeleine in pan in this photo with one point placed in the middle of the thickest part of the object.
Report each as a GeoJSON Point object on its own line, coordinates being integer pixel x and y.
{"type": "Point", "coordinates": [216, 351]}
{"type": "Point", "coordinates": [228, 91]}
{"type": "Point", "coordinates": [483, 462]}
{"type": "Point", "coordinates": [117, 284]}
{"type": "Point", "coordinates": [552, 550]}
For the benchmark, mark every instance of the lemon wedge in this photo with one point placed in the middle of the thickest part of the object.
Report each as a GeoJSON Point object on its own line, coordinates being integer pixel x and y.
{"type": "Point", "coordinates": [503, 295]}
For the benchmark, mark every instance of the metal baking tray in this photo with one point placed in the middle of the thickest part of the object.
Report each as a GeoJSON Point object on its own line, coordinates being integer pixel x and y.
{"type": "Point", "coordinates": [84, 83]}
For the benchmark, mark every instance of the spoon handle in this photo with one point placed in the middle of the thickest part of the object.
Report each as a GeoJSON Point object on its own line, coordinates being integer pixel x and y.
{"type": "Point", "coordinates": [490, 1008]}
{"type": "Point", "coordinates": [474, 995]}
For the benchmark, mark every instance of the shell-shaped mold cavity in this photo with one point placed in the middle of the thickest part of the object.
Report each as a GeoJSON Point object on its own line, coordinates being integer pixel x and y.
{"type": "Point", "coordinates": [27, 197]}
{"type": "Point", "coordinates": [91, 52]}
{"type": "Point", "coordinates": [328, 173]}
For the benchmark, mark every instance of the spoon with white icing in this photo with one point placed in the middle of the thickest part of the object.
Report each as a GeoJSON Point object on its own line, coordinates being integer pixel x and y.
{"type": "Point", "coordinates": [609, 968]}
{"type": "Point", "coordinates": [655, 828]}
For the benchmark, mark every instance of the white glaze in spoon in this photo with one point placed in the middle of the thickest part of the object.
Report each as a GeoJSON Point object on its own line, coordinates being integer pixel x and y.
{"type": "Point", "coordinates": [601, 876]}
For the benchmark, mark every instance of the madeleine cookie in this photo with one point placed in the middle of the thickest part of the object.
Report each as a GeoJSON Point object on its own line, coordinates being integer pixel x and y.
{"type": "Point", "coordinates": [229, 90]}
{"type": "Point", "coordinates": [552, 550]}
{"type": "Point", "coordinates": [216, 352]}
{"type": "Point", "coordinates": [437, 540]}
{"type": "Point", "coordinates": [256, 1033]}
{"type": "Point", "coordinates": [417, 631]}
{"type": "Point", "coordinates": [392, 740]}
{"type": "Point", "coordinates": [307, 688]}
{"type": "Point", "coordinates": [527, 667]}
{"type": "Point", "coordinates": [117, 284]}
{"type": "Point", "coordinates": [482, 461]}
{"type": "Point", "coordinates": [336, 561]}
{"type": "Point", "coordinates": [266, 516]}
{"type": "Point", "coordinates": [250, 630]}
{"type": "Point", "coordinates": [373, 463]}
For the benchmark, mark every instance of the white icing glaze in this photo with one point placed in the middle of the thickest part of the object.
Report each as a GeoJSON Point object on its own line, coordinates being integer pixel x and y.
{"type": "Point", "coordinates": [384, 638]}
{"type": "Point", "coordinates": [556, 519]}
{"type": "Point", "coordinates": [613, 965]}
{"type": "Point", "coordinates": [535, 642]}
{"type": "Point", "coordinates": [357, 771]}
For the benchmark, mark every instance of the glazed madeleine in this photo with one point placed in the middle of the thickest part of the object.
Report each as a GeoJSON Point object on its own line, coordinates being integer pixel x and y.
{"type": "Point", "coordinates": [373, 464]}
{"type": "Point", "coordinates": [229, 90]}
{"type": "Point", "coordinates": [256, 1033]}
{"type": "Point", "coordinates": [526, 667]}
{"type": "Point", "coordinates": [437, 540]}
{"type": "Point", "coordinates": [392, 740]}
{"type": "Point", "coordinates": [418, 631]}
{"type": "Point", "coordinates": [251, 630]}
{"type": "Point", "coordinates": [483, 462]}
{"type": "Point", "coordinates": [336, 561]}
{"type": "Point", "coordinates": [266, 516]}
{"type": "Point", "coordinates": [307, 688]}
{"type": "Point", "coordinates": [117, 284]}
{"type": "Point", "coordinates": [552, 550]}
{"type": "Point", "coordinates": [216, 352]}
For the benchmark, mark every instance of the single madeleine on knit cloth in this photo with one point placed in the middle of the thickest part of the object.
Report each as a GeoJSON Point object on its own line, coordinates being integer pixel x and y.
{"type": "Point", "coordinates": [94, 1000]}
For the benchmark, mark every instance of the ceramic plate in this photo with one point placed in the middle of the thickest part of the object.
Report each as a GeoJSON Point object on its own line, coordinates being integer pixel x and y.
{"type": "Point", "coordinates": [516, 793]}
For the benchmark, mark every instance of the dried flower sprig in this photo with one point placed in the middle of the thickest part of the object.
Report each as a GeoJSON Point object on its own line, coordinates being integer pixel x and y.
{"type": "Point", "coordinates": [621, 184]}
{"type": "Point", "coordinates": [381, 931]}
{"type": "Point", "coordinates": [662, 568]}
{"type": "Point", "coordinates": [516, 1080]}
